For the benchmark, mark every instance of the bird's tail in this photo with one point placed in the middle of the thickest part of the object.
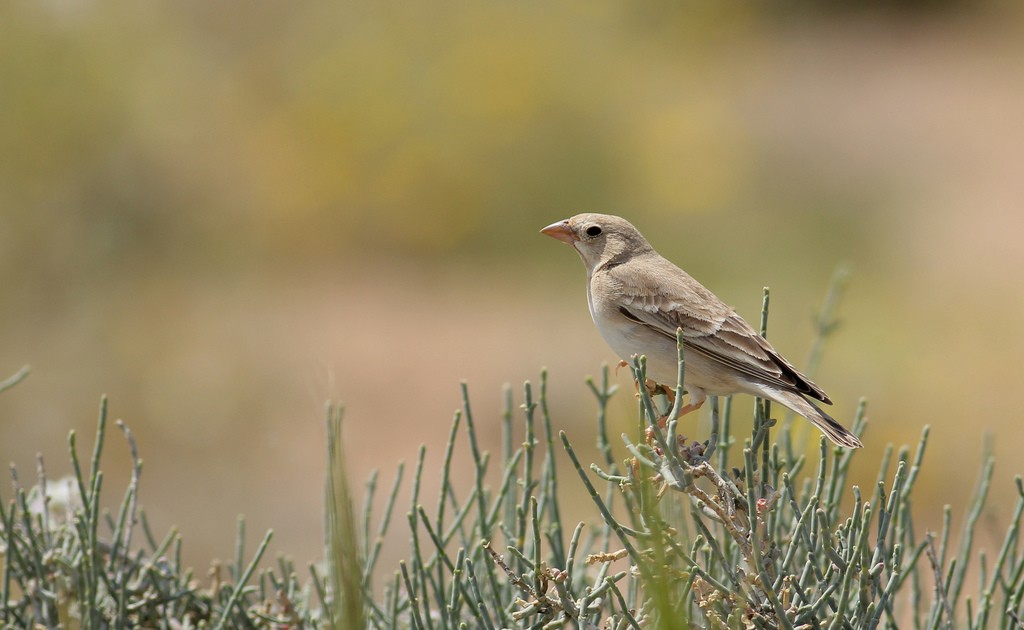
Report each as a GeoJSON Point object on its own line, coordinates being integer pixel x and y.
{"type": "Point", "coordinates": [835, 431]}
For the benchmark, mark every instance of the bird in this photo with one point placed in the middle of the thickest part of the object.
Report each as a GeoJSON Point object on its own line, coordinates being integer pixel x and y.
{"type": "Point", "coordinates": [639, 299]}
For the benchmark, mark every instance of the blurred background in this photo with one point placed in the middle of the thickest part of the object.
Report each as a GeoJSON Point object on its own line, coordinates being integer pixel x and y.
{"type": "Point", "coordinates": [224, 214]}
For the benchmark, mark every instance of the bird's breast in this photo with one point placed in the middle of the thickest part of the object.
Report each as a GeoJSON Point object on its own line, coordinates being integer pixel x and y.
{"type": "Point", "coordinates": [626, 337]}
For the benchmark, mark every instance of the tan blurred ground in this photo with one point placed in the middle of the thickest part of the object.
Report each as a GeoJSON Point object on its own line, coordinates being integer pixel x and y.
{"type": "Point", "coordinates": [222, 216]}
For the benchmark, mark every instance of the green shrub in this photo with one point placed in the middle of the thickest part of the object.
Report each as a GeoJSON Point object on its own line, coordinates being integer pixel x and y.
{"type": "Point", "coordinates": [716, 534]}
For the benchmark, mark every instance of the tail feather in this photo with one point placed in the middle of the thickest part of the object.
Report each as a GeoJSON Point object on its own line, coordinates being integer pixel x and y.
{"type": "Point", "coordinates": [832, 429]}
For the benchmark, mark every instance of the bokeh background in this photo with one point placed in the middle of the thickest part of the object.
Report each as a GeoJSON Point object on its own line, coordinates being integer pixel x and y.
{"type": "Point", "coordinates": [222, 214]}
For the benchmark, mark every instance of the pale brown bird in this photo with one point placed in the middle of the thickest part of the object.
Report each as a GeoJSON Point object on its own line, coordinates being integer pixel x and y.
{"type": "Point", "coordinates": [638, 300]}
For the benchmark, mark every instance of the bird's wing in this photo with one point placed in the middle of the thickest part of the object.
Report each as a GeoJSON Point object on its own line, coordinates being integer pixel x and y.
{"type": "Point", "coordinates": [670, 299]}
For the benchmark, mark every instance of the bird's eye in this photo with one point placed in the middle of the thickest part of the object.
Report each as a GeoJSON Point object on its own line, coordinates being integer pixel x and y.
{"type": "Point", "coordinates": [593, 231]}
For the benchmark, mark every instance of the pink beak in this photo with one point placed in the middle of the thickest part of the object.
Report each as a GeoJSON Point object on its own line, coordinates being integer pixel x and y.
{"type": "Point", "coordinates": [561, 231]}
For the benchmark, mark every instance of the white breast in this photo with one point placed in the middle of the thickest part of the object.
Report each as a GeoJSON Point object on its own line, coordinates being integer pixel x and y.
{"type": "Point", "coordinates": [627, 338]}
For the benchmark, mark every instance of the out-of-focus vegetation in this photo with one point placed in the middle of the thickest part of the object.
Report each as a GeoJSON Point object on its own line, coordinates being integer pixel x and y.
{"type": "Point", "coordinates": [222, 214]}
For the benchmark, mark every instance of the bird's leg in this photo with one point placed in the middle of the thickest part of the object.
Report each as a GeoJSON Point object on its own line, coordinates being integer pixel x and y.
{"type": "Point", "coordinates": [654, 388]}
{"type": "Point", "coordinates": [697, 399]}
{"type": "Point", "coordinates": [666, 391]}
{"type": "Point", "coordinates": [691, 406]}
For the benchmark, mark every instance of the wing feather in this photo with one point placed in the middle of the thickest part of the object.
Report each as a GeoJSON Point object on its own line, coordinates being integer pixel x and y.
{"type": "Point", "coordinates": [713, 329]}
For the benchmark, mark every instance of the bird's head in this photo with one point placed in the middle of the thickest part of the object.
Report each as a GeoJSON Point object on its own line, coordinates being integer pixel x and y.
{"type": "Point", "coordinates": [598, 237]}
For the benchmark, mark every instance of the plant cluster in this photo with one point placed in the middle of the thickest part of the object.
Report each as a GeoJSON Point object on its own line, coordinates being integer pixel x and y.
{"type": "Point", "coordinates": [718, 533]}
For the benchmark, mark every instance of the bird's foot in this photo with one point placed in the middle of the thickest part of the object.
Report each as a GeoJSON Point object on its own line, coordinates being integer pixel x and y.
{"type": "Point", "coordinates": [689, 407]}
{"type": "Point", "coordinates": [654, 389]}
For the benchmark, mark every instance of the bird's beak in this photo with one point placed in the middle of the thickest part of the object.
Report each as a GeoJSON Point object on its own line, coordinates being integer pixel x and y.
{"type": "Point", "coordinates": [561, 231]}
